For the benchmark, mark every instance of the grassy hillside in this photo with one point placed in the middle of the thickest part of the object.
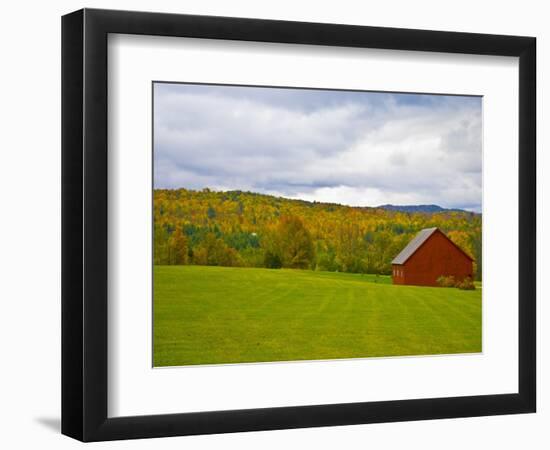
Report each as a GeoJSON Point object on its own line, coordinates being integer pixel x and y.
{"type": "Point", "coordinates": [214, 315]}
{"type": "Point", "coordinates": [247, 229]}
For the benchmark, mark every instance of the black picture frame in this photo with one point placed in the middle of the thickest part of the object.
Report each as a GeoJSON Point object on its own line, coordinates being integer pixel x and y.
{"type": "Point", "coordinates": [84, 224]}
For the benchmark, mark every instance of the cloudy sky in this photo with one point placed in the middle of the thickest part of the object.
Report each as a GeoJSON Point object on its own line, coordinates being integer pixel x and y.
{"type": "Point", "coordinates": [353, 148]}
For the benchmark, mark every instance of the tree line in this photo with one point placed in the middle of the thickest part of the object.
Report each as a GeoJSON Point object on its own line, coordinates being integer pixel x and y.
{"type": "Point", "coordinates": [244, 229]}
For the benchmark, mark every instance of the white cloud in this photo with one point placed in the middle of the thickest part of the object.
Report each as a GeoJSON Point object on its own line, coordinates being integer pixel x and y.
{"type": "Point", "coordinates": [351, 148]}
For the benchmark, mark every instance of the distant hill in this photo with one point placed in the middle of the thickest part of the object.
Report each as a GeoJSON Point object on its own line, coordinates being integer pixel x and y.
{"type": "Point", "coordinates": [419, 208]}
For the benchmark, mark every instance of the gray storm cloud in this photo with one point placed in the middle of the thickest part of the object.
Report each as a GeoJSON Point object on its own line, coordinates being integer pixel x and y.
{"type": "Point", "coordinates": [355, 148]}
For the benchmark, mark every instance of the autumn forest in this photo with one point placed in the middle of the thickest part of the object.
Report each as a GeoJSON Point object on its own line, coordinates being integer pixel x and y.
{"type": "Point", "coordinates": [245, 229]}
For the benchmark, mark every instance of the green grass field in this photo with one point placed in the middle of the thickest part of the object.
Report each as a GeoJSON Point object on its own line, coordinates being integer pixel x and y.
{"type": "Point", "coordinates": [214, 315]}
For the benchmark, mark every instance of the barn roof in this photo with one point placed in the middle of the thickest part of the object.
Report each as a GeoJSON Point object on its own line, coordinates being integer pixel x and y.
{"type": "Point", "coordinates": [413, 246]}
{"type": "Point", "coordinates": [417, 241]}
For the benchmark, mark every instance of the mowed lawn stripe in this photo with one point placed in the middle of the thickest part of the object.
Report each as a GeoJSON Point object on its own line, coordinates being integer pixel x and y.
{"type": "Point", "coordinates": [214, 315]}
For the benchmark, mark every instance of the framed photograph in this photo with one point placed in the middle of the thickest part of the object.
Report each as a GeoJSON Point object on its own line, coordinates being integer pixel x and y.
{"type": "Point", "coordinates": [272, 224]}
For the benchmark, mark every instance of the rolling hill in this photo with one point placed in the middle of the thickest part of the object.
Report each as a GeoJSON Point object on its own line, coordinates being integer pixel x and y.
{"type": "Point", "coordinates": [429, 209]}
{"type": "Point", "coordinates": [246, 229]}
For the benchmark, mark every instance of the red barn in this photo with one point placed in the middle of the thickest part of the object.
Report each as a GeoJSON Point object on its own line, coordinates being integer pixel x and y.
{"type": "Point", "coordinates": [428, 256]}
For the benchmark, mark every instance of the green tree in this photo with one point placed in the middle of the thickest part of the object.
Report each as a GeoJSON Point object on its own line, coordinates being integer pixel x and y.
{"type": "Point", "coordinates": [477, 247]}
{"type": "Point", "coordinates": [178, 248]}
{"type": "Point", "coordinates": [160, 241]}
{"type": "Point", "coordinates": [294, 243]}
{"type": "Point", "coordinates": [214, 251]}
{"type": "Point", "coordinates": [351, 246]}
{"type": "Point", "coordinates": [272, 260]}
{"type": "Point", "coordinates": [211, 212]}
